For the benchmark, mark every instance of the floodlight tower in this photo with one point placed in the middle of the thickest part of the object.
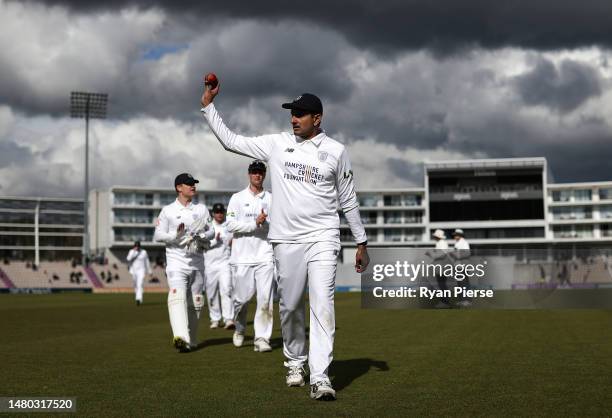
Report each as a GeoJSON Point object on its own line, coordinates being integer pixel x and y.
{"type": "Point", "coordinates": [88, 106]}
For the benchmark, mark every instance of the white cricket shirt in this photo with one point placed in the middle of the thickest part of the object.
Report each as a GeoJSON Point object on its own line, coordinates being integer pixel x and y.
{"type": "Point", "coordinates": [171, 216]}
{"type": "Point", "coordinates": [138, 260]}
{"type": "Point", "coordinates": [250, 244]}
{"type": "Point", "coordinates": [218, 254]}
{"type": "Point", "coordinates": [310, 178]}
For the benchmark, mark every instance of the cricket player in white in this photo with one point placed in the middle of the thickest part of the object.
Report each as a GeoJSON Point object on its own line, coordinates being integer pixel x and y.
{"type": "Point", "coordinates": [252, 258]}
{"type": "Point", "coordinates": [218, 274]}
{"type": "Point", "coordinates": [311, 175]}
{"type": "Point", "coordinates": [437, 255]}
{"type": "Point", "coordinates": [185, 228]}
{"type": "Point", "coordinates": [462, 252]}
{"type": "Point", "coordinates": [139, 267]}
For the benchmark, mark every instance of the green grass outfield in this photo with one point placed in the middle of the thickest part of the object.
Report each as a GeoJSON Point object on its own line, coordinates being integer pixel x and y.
{"type": "Point", "coordinates": [118, 361]}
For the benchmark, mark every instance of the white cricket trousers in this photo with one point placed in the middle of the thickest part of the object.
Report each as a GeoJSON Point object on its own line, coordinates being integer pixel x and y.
{"type": "Point", "coordinates": [138, 280]}
{"type": "Point", "coordinates": [219, 286]}
{"type": "Point", "coordinates": [312, 264]}
{"type": "Point", "coordinates": [248, 280]}
{"type": "Point", "coordinates": [185, 302]}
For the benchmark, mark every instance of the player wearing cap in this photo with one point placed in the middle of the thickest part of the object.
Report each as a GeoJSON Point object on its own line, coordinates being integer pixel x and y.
{"type": "Point", "coordinates": [218, 274]}
{"type": "Point", "coordinates": [139, 266]}
{"type": "Point", "coordinates": [185, 227]}
{"type": "Point", "coordinates": [311, 176]}
{"type": "Point", "coordinates": [438, 255]}
{"type": "Point", "coordinates": [252, 259]}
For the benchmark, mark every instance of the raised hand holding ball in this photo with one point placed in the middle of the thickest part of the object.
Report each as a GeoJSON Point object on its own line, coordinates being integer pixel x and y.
{"type": "Point", "coordinates": [211, 89]}
{"type": "Point", "coordinates": [211, 80]}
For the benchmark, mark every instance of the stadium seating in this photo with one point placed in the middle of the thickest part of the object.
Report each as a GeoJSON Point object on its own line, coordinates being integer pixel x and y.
{"type": "Point", "coordinates": [49, 274]}
{"type": "Point", "coordinates": [61, 274]}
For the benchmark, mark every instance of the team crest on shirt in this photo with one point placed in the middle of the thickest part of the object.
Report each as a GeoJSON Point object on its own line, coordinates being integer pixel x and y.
{"type": "Point", "coordinates": [194, 216]}
{"type": "Point", "coordinates": [323, 156]}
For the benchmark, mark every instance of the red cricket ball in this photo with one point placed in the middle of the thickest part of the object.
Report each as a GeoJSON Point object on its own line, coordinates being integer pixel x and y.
{"type": "Point", "coordinates": [211, 80]}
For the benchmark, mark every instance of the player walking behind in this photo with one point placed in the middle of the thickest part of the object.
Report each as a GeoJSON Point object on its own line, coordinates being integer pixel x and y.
{"type": "Point", "coordinates": [440, 253]}
{"type": "Point", "coordinates": [218, 274]}
{"type": "Point", "coordinates": [252, 259]}
{"type": "Point", "coordinates": [185, 228]}
{"type": "Point", "coordinates": [310, 174]}
{"type": "Point", "coordinates": [139, 267]}
{"type": "Point", "coordinates": [462, 252]}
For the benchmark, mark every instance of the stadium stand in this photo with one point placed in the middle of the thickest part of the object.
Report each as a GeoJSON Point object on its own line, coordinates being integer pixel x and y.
{"type": "Point", "coordinates": [62, 274]}
{"type": "Point", "coordinates": [576, 273]}
{"type": "Point", "coordinates": [49, 274]}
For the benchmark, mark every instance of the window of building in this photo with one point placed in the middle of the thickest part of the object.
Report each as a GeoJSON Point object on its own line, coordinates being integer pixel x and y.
{"type": "Point", "coordinates": [392, 235]}
{"type": "Point", "coordinates": [486, 210]}
{"type": "Point", "coordinates": [143, 199]}
{"type": "Point", "coordinates": [60, 219]}
{"type": "Point", "coordinates": [129, 216]}
{"type": "Point", "coordinates": [367, 200]}
{"type": "Point", "coordinates": [412, 234]}
{"type": "Point", "coordinates": [392, 200]}
{"type": "Point", "coordinates": [573, 231]}
{"type": "Point", "coordinates": [413, 217]}
{"type": "Point", "coordinates": [605, 211]}
{"type": "Point", "coordinates": [17, 204]}
{"type": "Point", "coordinates": [605, 194]}
{"type": "Point", "coordinates": [166, 198]}
{"type": "Point", "coordinates": [133, 234]}
{"type": "Point", "coordinates": [412, 200]}
{"type": "Point", "coordinates": [582, 195]}
{"type": "Point", "coordinates": [53, 205]}
{"type": "Point", "coordinates": [368, 218]}
{"type": "Point", "coordinates": [562, 195]}
{"type": "Point", "coordinates": [16, 218]}
{"type": "Point", "coordinates": [123, 198]}
{"type": "Point", "coordinates": [393, 217]}
{"type": "Point", "coordinates": [569, 213]}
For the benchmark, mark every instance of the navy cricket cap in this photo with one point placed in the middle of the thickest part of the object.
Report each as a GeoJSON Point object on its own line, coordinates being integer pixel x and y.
{"type": "Point", "coordinates": [257, 166]}
{"type": "Point", "coordinates": [306, 102]}
{"type": "Point", "coordinates": [185, 178]}
{"type": "Point", "coordinates": [218, 208]}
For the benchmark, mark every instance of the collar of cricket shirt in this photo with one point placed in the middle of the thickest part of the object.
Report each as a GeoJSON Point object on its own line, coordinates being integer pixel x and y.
{"type": "Point", "coordinates": [180, 205]}
{"type": "Point", "coordinates": [259, 195]}
{"type": "Point", "coordinates": [316, 140]}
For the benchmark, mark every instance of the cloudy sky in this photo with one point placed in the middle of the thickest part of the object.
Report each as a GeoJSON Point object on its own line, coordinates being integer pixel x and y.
{"type": "Point", "coordinates": [402, 82]}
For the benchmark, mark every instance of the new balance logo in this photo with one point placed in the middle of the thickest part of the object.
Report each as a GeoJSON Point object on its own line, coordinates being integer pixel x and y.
{"type": "Point", "coordinates": [289, 150]}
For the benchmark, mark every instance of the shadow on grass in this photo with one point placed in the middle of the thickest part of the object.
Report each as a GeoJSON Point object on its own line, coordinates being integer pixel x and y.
{"type": "Point", "coordinates": [343, 372]}
{"type": "Point", "coordinates": [217, 341]}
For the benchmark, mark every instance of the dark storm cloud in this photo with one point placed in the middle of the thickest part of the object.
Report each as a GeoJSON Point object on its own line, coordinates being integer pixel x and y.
{"type": "Point", "coordinates": [441, 25]}
{"type": "Point", "coordinates": [563, 89]}
{"type": "Point", "coordinates": [406, 170]}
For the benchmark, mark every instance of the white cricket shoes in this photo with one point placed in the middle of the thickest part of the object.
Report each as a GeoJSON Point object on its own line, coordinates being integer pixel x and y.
{"type": "Point", "coordinates": [322, 391]}
{"type": "Point", "coordinates": [214, 324]}
{"type": "Point", "coordinates": [238, 339]}
{"type": "Point", "coordinates": [229, 324]}
{"type": "Point", "coordinates": [262, 345]}
{"type": "Point", "coordinates": [295, 376]}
